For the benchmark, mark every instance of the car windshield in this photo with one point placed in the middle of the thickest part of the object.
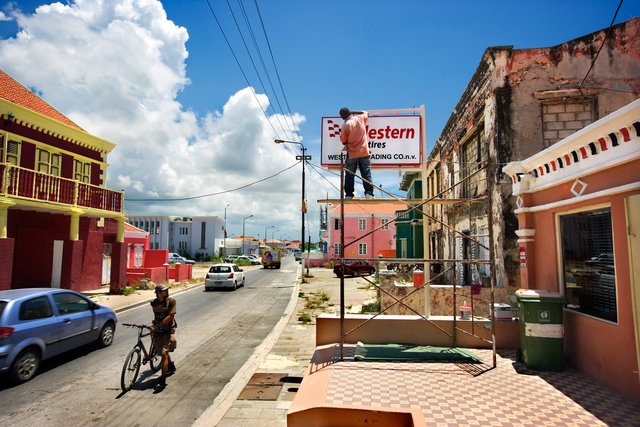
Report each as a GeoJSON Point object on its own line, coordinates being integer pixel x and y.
{"type": "Point", "coordinates": [220, 269]}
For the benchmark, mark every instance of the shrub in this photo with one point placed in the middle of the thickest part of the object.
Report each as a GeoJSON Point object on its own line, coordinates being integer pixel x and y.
{"type": "Point", "coordinates": [127, 290]}
{"type": "Point", "coordinates": [304, 318]}
{"type": "Point", "coordinates": [373, 307]}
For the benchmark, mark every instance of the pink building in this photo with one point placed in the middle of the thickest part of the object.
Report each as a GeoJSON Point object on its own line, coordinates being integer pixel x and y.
{"type": "Point", "coordinates": [579, 235]}
{"type": "Point", "coordinates": [360, 220]}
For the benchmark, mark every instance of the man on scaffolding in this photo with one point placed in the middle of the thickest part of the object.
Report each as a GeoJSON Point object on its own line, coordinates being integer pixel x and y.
{"type": "Point", "coordinates": [353, 136]}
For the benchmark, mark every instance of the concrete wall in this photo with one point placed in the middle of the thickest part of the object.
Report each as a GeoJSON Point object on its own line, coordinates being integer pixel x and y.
{"type": "Point", "coordinates": [415, 330]}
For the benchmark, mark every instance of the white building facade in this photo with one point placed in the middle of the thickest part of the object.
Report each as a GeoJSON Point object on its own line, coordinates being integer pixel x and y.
{"type": "Point", "coordinates": [198, 237]}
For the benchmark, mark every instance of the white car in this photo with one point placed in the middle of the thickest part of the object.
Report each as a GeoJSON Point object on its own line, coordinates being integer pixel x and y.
{"type": "Point", "coordinates": [224, 276]}
{"type": "Point", "coordinates": [175, 259]}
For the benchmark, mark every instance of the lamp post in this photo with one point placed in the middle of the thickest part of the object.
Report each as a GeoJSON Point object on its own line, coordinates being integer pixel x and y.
{"type": "Point", "coordinates": [265, 234]}
{"type": "Point", "coordinates": [243, 219]}
{"type": "Point", "coordinates": [304, 159]}
{"type": "Point", "coordinates": [224, 235]}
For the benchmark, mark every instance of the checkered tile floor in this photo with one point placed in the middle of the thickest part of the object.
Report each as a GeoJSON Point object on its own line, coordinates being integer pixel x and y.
{"type": "Point", "coordinates": [477, 395]}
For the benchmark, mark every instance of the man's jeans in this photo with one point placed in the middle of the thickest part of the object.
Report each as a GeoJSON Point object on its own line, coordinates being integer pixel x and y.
{"type": "Point", "coordinates": [364, 163]}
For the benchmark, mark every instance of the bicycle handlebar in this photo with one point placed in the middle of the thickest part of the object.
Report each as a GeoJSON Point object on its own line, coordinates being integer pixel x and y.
{"type": "Point", "coordinates": [132, 325]}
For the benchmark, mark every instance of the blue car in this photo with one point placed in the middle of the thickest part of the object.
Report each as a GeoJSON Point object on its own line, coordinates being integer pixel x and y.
{"type": "Point", "coordinates": [39, 323]}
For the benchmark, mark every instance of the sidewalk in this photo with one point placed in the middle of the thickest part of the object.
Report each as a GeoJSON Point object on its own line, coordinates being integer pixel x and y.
{"type": "Point", "coordinates": [510, 394]}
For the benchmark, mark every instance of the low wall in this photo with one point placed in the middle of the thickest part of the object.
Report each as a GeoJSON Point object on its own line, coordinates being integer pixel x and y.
{"type": "Point", "coordinates": [315, 259]}
{"type": "Point", "coordinates": [182, 272]}
{"type": "Point", "coordinates": [416, 330]}
{"type": "Point", "coordinates": [156, 275]}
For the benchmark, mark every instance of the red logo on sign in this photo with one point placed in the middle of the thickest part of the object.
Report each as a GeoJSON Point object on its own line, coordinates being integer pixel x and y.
{"type": "Point", "coordinates": [334, 129]}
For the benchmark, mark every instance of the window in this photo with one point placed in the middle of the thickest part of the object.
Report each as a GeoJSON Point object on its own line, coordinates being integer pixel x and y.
{"type": "Point", "coordinates": [588, 266]}
{"type": "Point", "coordinates": [48, 163]}
{"type": "Point", "coordinates": [13, 153]}
{"type": "Point", "coordinates": [336, 224]}
{"type": "Point", "coordinates": [82, 171]}
{"type": "Point", "coordinates": [203, 234]}
{"type": "Point", "coordinates": [68, 303]}
{"type": "Point", "coordinates": [472, 155]}
{"type": "Point", "coordinates": [362, 224]}
{"type": "Point", "coordinates": [336, 247]}
{"type": "Point", "coordinates": [35, 308]}
{"type": "Point", "coordinates": [385, 223]}
{"type": "Point", "coordinates": [362, 248]}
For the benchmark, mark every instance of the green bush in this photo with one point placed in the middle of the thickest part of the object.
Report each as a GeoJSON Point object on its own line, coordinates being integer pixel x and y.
{"type": "Point", "coordinates": [304, 318]}
{"type": "Point", "coordinates": [373, 307]}
{"type": "Point", "coordinates": [242, 263]}
{"type": "Point", "coordinates": [127, 290]}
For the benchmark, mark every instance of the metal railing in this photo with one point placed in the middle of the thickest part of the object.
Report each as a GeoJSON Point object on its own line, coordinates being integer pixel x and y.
{"type": "Point", "coordinates": [28, 184]}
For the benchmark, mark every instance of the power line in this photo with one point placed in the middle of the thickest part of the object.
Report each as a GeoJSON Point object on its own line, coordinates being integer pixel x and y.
{"type": "Point", "coordinates": [606, 34]}
{"type": "Point", "coordinates": [213, 194]}
{"type": "Point", "coordinates": [240, 67]}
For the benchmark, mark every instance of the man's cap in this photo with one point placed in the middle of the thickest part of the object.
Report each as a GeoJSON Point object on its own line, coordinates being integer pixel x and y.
{"type": "Point", "coordinates": [161, 287]}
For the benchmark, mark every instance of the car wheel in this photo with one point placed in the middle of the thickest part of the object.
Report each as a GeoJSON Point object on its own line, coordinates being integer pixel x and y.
{"type": "Point", "coordinates": [243, 280]}
{"type": "Point", "coordinates": [106, 334]}
{"type": "Point", "coordinates": [25, 366]}
{"type": "Point", "coordinates": [235, 286]}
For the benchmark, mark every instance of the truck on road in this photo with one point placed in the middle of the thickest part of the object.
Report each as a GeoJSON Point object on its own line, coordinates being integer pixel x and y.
{"type": "Point", "coordinates": [271, 258]}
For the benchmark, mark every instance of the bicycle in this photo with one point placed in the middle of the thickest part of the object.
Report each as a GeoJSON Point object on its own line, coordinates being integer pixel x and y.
{"type": "Point", "coordinates": [132, 362]}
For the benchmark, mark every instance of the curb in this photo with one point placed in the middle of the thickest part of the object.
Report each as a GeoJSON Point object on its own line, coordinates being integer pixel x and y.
{"type": "Point", "coordinates": [229, 394]}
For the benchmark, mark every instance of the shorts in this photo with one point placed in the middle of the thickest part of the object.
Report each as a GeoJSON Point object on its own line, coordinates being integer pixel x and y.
{"type": "Point", "coordinates": [164, 342]}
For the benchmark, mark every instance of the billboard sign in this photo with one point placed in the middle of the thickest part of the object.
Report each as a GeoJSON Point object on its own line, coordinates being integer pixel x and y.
{"type": "Point", "coordinates": [394, 141]}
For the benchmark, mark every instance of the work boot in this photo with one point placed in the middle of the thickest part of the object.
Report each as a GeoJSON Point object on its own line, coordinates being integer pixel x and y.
{"type": "Point", "coordinates": [171, 369]}
{"type": "Point", "coordinates": [162, 383]}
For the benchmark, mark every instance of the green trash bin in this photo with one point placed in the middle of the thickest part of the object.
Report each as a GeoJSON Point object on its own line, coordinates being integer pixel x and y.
{"type": "Point", "coordinates": [541, 329]}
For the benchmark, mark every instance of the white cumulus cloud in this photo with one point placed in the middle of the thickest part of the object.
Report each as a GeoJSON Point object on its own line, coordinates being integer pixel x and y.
{"type": "Point", "coordinates": [115, 68]}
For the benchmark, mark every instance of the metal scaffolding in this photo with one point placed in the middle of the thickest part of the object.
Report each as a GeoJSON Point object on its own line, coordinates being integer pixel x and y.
{"type": "Point", "coordinates": [483, 172]}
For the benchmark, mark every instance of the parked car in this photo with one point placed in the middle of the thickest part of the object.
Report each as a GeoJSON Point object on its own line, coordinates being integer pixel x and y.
{"type": "Point", "coordinates": [354, 268]}
{"type": "Point", "coordinates": [602, 259]}
{"type": "Point", "coordinates": [230, 258]}
{"type": "Point", "coordinates": [39, 323]}
{"type": "Point", "coordinates": [177, 259]}
{"type": "Point", "coordinates": [245, 258]}
{"type": "Point", "coordinates": [224, 276]}
{"type": "Point", "coordinates": [255, 259]}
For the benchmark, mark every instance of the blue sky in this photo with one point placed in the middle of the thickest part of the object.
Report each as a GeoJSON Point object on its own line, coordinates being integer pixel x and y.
{"type": "Point", "coordinates": [158, 79]}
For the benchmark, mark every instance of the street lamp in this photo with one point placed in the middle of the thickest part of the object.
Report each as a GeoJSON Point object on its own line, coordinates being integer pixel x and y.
{"type": "Point", "coordinates": [243, 232]}
{"type": "Point", "coordinates": [304, 159]}
{"type": "Point", "coordinates": [265, 234]}
{"type": "Point", "coordinates": [224, 237]}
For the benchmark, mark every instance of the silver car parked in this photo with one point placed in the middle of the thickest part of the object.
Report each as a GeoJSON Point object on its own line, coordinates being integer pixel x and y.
{"type": "Point", "coordinates": [39, 323]}
{"type": "Point", "coordinates": [224, 276]}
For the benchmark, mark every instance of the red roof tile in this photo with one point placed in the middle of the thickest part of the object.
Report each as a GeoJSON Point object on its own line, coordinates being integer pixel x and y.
{"type": "Point", "coordinates": [13, 91]}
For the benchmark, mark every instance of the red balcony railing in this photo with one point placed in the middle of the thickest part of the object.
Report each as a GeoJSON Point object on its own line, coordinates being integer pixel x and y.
{"type": "Point", "coordinates": [29, 184]}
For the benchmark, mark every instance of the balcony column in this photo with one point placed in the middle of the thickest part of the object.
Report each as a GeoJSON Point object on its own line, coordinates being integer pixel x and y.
{"type": "Point", "coordinates": [4, 214]}
{"type": "Point", "coordinates": [74, 226]}
{"type": "Point", "coordinates": [120, 230]}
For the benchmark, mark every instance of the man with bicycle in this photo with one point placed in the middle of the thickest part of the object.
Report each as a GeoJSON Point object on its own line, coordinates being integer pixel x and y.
{"type": "Point", "coordinates": [163, 330]}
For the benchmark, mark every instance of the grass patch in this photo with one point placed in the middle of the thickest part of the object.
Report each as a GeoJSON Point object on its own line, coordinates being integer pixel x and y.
{"type": "Point", "coordinates": [372, 307]}
{"type": "Point", "coordinates": [304, 318]}
{"type": "Point", "coordinates": [127, 290]}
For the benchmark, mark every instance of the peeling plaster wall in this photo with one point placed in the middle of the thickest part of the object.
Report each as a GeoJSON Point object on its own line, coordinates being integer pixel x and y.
{"type": "Point", "coordinates": [507, 91]}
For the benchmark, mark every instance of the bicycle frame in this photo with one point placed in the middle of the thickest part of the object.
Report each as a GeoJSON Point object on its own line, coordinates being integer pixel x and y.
{"type": "Point", "coordinates": [132, 362]}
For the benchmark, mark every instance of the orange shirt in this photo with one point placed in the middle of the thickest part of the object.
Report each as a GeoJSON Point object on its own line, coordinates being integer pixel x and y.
{"type": "Point", "coordinates": [354, 134]}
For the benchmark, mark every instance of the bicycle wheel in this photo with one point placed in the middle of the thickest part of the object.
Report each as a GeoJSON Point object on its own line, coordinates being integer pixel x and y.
{"type": "Point", "coordinates": [130, 369]}
{"type": "Point", "coordinates": [155, 360]}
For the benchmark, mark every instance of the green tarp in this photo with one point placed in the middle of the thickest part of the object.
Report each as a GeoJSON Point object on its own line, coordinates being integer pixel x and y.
{"type": "Point", "coordinates": [411, 352]}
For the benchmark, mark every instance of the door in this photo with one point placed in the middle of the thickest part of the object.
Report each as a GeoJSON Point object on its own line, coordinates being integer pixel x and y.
{"type": "Point", "coordinates": [633, 239]}
{"type": "Point", "coordinates": [56, 266]}
{"type": "Point", "coordinates": [77, 320]}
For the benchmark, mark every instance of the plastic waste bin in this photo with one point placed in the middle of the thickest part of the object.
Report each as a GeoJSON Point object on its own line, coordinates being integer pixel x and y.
{"type": "Point", "coordinates": [541, 329]}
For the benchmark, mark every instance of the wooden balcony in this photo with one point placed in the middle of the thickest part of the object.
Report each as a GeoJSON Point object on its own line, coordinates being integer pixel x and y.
{"type": "Point", "coordinates": [37, 187]}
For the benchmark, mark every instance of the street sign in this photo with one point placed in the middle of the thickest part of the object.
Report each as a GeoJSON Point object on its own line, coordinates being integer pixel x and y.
{"type": "Point", "coordinates": [303, 157]}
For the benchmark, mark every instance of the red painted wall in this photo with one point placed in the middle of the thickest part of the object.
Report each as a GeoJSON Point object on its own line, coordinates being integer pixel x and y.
{"type": "Point", "coordinates": [6, 266]}
{"type": "Point", "coordinates": [155, 258]}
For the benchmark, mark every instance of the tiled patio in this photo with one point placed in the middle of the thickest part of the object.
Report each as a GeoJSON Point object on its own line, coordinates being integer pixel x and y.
{"type": "Point", "coordinates": [468, 393]}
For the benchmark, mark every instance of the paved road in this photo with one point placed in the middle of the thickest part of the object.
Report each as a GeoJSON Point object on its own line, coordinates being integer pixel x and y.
{"type": "Point", "coordinates": [217, 332]}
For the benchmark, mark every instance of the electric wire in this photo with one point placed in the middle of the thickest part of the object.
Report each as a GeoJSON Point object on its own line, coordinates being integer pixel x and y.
{"type": "Point", "coordinates": [266, 72]}
{"type": "Point", "coordinates": [240, 67]}
{"type": "Point", "coordinates": [275, 67]}
{"type": "Point", "coordinates": [178, 199]}
{"type": "Point", "coordinates": [606, 34]}
{"type": "Point", "coordinates": [251, 60]}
